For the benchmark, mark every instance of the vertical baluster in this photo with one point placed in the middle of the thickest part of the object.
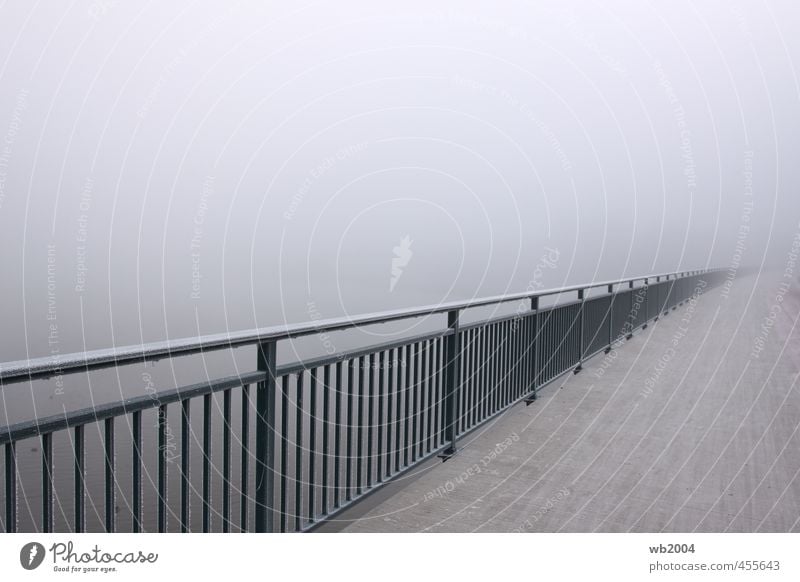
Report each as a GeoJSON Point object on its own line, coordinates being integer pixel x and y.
{"type": "Point", "coordinates": [185, 430]}
{"type": "Point", "coordinates": [569, 335]}
{"type": "Point", "coordinates": [537, 346]}
{"type": "Point", "coordinates": [495, 368]}
{"type": "Point", "coordinates": [360, 433]}
{"type": "Point", "coordinates": [402, 371]}
{"type": "Point", "coordinates": [430, 382]}
{"type": "Point", "coordinates": [521, 360]}
{"type": "Point", "coordinates": [526, 349]}
{"type": "Point", "coordinates": [475, 368]}
{"type": "Point", "coordinates": [512, 361]}
{"type": "Point", "coordinates": [206, 463]}
{"type": "Point", "coordinates": [565, 327]}
{"type": "Point", "coordinates": [545, 325]}
{"type": "Point", "coordinates": [570, 318]}
{"type": "Point", "coordinates": [80, 484]}
{"type": "Point", "coordinates": [611, 303]}
{"type": "Point", "coordinates": [440, 395]}
{"type": "Point", "coordinates": [630, 322]}
{"type": "Point", "coordinates": [483, 383]}
{"type": "Point", "coordinates": [522, 356]}
{"type": "Point", "coordinates": [409, 349]}
{"type": "Point", "coordinates": [581, 328]}
{"type": "Point", "coordinates": [513, 325]}
{"type": "Point", "coordinates": [226, 461]}
{"type": "Point", "coordinates": [551, 347]}
{"type": "Point", "coordinates": [284, 453]}
{"type": "Point", "coordinates": [312, 446]}
{"type": "Point", "coordinates": [556, 340]}
{"type": "Point", "coordinates": [11, 487]}
{"type": "Point", "coordinates": [351, 370]}
{"type": "Point", "coordinates": [516, 331]}
{"type": "Point", "coordinates": [245, 468]}
{"type": "Point", "coordinates": [438, 405]}
{"type": "Point", "coordinates": [423, 391]}
{"type": "Point", "coordinates": [497, 347]}
{"type": "Point", "coordinates": [470, 368]}
{"type": "Point", "coordinates": [392, 417]}
{"type": "Point", "coordinates": [298, 456]}
{"type": "Point", "coordinates": [337, 437]}
{"type": "Point", "coordinates": [559, 342]}
{"type": "Point", "coordinates": [47, 483]}
{"type": "Point", "coordinates": [381, 426]}
{"type": "Point", "coordinates": [370, 419]}
{"type": "Point", "coordinates": [511, 342]}
{"type": "Point", "coordinates": [418, 356]}
{"type": "Point", "coordinates": [480, 375]}
{"type": "Point", "coordinates": [545, 352]}
{"type": "Point", "coordinates": [326, 453]}
{"type": "Point", "coordinates": [550, 351]}
{"type": "Point", "coordinates": [463, 383]}
{"type": "Point", "coordinates": [110, 476]}
{"type": "Point", "coordinates": [136, 464]}
{"type": "Point", "coordinates": [162, 468]}
{"type": "Point", "coordinates": [507, 365]}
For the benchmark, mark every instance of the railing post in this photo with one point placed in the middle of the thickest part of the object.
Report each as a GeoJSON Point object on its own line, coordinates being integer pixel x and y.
{"type": "Point", "coordinates": [610, 318]}
{"type": "Point", "coordinates": [265, 438]}
{"type": "Point", "coordinates": [451, 383]}
{"type": "Point", "coordinates": [581, 347]}
{"type": "Point", "coordinates": [11, 487]}
{"type": "Point", "coordinates": [646, 302]}
{"type": "Point", "coordinates": [534, 388]}
{"type": "Point", "coordinates": [629, 335]}
{"type": "Point", "coordinates": [658, 299]}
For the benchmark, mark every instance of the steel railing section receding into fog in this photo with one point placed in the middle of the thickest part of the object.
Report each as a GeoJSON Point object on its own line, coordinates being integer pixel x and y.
{"type": "Point", "coordinates": [294, 445]}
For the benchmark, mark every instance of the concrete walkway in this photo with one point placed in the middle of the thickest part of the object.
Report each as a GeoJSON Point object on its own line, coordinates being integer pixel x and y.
{"type": "Point", "coordinates": [683, 428]}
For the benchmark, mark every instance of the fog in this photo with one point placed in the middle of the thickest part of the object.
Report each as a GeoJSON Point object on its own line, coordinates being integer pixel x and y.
{"type": "Point", "coordinates": [181, 168]}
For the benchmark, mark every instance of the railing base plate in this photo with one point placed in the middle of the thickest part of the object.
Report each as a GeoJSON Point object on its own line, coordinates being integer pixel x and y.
{"type": "Point", "coordinates": [447, 455]}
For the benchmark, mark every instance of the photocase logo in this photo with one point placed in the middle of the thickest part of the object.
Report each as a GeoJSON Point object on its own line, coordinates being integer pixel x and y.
{"type": "Point", "coordinates": [402, 255]}
{"type": "Point", "coordinates": [31, 555]}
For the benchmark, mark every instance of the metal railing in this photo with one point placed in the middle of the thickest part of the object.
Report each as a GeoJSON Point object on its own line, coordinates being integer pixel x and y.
{"type": "Point", "coordinates": [326, 431]}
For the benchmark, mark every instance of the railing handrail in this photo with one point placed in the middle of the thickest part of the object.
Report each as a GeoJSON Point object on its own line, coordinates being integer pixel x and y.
{"type": "Point", "coordinates": [48, 366]}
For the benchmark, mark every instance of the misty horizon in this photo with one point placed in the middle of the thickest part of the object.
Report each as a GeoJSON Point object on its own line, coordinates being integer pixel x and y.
{"type": "Point", "coordinates": [172, 172]}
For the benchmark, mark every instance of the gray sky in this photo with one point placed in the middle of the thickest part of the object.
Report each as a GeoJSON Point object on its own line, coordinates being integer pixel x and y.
{"type": "Point", "coordinates": [169, 168]}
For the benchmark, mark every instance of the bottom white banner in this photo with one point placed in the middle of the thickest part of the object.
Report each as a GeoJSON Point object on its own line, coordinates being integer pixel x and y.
{"type": "Point", "coordinates": [400, 556]}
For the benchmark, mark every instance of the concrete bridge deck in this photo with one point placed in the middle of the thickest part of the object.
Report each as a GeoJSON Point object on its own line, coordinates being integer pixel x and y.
{"type": "Point", "coordinates": [684, 428]}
